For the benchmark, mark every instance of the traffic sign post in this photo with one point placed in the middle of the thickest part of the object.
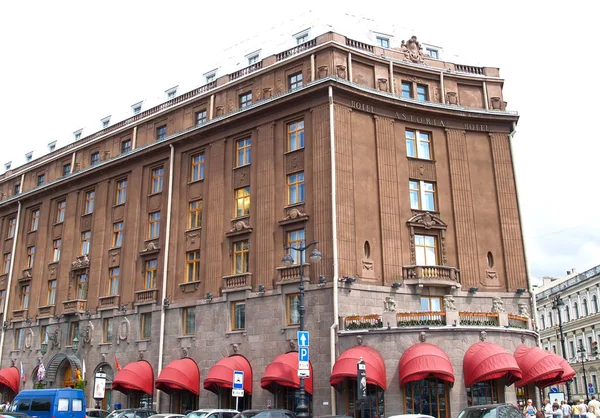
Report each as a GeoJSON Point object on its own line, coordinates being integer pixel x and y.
{"type": "Point", "coordinates": [238, 386]}
{"type": "Point", "coordinates": [303, 339]}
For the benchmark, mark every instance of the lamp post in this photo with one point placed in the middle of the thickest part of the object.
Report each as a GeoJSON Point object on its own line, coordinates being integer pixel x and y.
{"type": "Point", "coordinates": [581, 350]}
{"type": "Point", "coordinates": [557, 304]}
{"type": "Point", "coordinates": [288, 260]}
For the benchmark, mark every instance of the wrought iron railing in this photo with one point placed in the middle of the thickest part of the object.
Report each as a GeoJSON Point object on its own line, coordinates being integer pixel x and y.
{"type": "Point", "coordinates": [479, 318]}
{"type": "Point", "coordinates": [412, 319]}
{"type": "Point", "coordinates": [363, 322]}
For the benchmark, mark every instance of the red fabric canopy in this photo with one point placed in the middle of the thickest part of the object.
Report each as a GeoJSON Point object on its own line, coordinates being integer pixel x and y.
{"type": "Point", "coordinates": [345, 366]}
{"type": "Point", "coordinates": [487, 361]}
{"type": "Point", "coordinates": [135, 377]}
{"type": "Point", "coordinates": [537, 365]}
{"type": "Point", "coordinates": [221, 374]}
{"type": "Point", "coordinates": [9, 377]}
{"type": "Point", "coordinates": [423, 360]}
{"type": "Point", "coordinates": [567, 374]}
{"type": "Point", "coordinates": [284, 371]}
{"type": "Point", "coordinates": [180, 374]}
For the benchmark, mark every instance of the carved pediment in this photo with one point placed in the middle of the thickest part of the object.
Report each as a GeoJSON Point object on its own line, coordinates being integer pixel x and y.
{"type": "Point", "coordinates": [150, 247]}
{"type": "Point", "coordinates": [412, 50]}
{"type": "Point", "coordinates": [81, 262]}
{"type": "Point", "coordinates": [426, 220]}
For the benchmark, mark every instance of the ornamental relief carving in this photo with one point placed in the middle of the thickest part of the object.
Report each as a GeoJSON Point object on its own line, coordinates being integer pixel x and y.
{"type": "Point", "coordinates": [430, 223]}
{"type": "Point", "coordinates": [154, 202]}
{"type": "Point", "coordinates": [123, 331]}
{"type": "Point", "coordinates": [294, 162]}
{"type": "Point", "coordinates": [241, 176]}
{"type": "Point", "coordinates": [114, 258]}
{"type": "Point", "coordinates": [192, 240]}
{"type": "Point", "coordinates": [118, 213]}
{"type": "Point", "coordinates": [412, 50]}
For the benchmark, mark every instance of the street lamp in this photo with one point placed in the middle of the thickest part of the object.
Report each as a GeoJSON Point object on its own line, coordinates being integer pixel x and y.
{"type": "Point", "coordinates": [288, 260]}
{"type": "Point", "coordinates": [557, 304]}
{"type": "Point", "coordinates": [581, 350]}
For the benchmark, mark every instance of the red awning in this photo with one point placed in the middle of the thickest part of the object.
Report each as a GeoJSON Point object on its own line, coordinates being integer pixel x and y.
{"type": "Point", "coordinates": [487, 361]}
{"type": "Point", "coordinates": [180, 374]}
{"type": "Point", "coordinates": [537, 365]}
{"type": "Point", "coordinates": [284, 371]}
{"type": "Point", "coordinates": [221, 374]}
{"type": "Point", "coordinates": [135, 377]}
{"type": "Point", "coordinates": [9, 377]}
{"type": "Point", "coordinates": [423, 360]}
{"type": "Point", "coordinates": [567, 374]}
{"type": "Point", "coordinates": [345, 366]}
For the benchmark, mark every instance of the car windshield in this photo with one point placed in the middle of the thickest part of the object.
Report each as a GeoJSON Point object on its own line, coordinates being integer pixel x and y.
{"type": "Point", "coordinates": [478, 413]}
{"type": "Point", "coordinates": [196, 415]}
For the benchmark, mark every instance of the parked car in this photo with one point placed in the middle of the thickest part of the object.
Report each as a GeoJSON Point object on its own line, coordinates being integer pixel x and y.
{"type": "Point", "coordinates": [212, 413]}
{"type": "Point", "coordinates": [501, 410]}
{"type": "Point", "coordinates": [50, 403]}
{"type": "Point", "coordinates": [411, 416]}
{"type": "Point", "coordinates": [167, 416]}
{"type": "Point", "coordinates": [275, 413]}
{"type": "Point", "coordinates": [132, 413]}
{"type": "Point", "coordinates": [96, 413]}
{"type": "Point", "coordinates": [248, 413]}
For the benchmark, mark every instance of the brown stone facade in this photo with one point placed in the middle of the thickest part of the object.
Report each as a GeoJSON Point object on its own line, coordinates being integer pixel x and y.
{"type": "Point", "coordinates": [201, 218]}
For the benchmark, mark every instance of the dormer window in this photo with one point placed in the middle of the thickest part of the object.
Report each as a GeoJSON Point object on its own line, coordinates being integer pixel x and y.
{"type": "Point", "coordinates": [105, 122]}
{"type": "Point", "coordinates": [253, 57]}
{"type": "Point", "coordinates": [136, 108]}
{"type": "Point", "coordinates": [301, 37]}
{"type": "Point", "coordinates": [171, 93]}
{"type": "Point", "coordinates": [210, 76]}
{"type": "Point", "coordinates": [77, 134]}
{"type": "Point", "coordinates": [383, 42]}
{"type": "Point", "coordinates": [432, 52]}
{"type": "Point", "coordinates": [29, 156]}
{"type": "Point", "coordinates": [51, 146]}
{"type": "Point", "coordinates": [7, 165]}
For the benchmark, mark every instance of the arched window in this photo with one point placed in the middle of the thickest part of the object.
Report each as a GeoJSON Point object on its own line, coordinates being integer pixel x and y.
{"type": "Point", "coordinates": [567, 314]}
{"type": "Point", "coordinates": [586, 312]}
{"type": "Point", "coordinates": [595, 303]}
{"type": "Point", "coordinates": [576, 310]}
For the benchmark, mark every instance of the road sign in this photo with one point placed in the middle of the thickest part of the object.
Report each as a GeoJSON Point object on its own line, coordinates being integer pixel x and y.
{"type": "Point", "coordinates": [304, 372]}
{"type": "Point", "coordinates": [303, 339]}
{"type": "Point", "coordinates": [591, 390]}
{"type": "Point", "coordinates": [590, 385]}
{"type": "Point", "coordinates": [237, 393]}
{"type": "Point", "coordinates": [238, 380]}
{"type": "Point", "coordinates": [553, 390]}
{"type": "Point", "coordinates": [303, 354]}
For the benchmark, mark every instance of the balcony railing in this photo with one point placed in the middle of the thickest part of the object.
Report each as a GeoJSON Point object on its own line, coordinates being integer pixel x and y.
{"type": "Point", "coordinates": [363, 322]}
{"type": "Point", "coordinates": [359, 45]}
{"type": "Point", "coordinates": [516, 321]}
{"type": "Point", "coordinates": [479, 318]}
{"type": "Point", "coordinates": [292, 273]}
{"type": "Point", "coordinates": [431, 275]}
{"type": "Point", "coordinates": [109, 302]}
{"type": "Point", "coordinates": [468, 69]}
{"type": "Point", "coordinates": [244, 71]}
{"type": "Point", "coordinates": [296, 50]}
{"type": "Point", "coordinates": [237, 281]}
{"type": "Point", "coordinates": [74, 306]}
{"type": "Point", "coordinates": [412, 319]}
{"type": "Point", "coordinates": [146, 296]}
{"type": "Point", "coordinates": [47, 310]}
{"type": "Point", "coordinates": [19, 314]}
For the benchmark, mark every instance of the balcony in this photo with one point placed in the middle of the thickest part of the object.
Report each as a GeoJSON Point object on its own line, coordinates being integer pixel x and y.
{"type": "Point", "coordinates": [516, 321]}
{"type": "Point", "coordinates": [237, 282]}
{"type": "Point", "coordinates": [411, 319]}
{"type": "Point", "coordinates": [363, 322]}
{"type": "Point", "coordinates": [19, 314]}
{"type": "Point", "coordinates": [143, 297]}
{"type": "Point", "coordinates": [108, 302]}
{"type": "Point", "coordinates": [440, 276]}
{"type": "Point", "coordinates": [291, 274]}
{"type": "Point", "coordinates": [46, 311]}
{"type": "Point", "coordinates": [490, 319]}
{"type": "Point", "coordinates": [75, 306]}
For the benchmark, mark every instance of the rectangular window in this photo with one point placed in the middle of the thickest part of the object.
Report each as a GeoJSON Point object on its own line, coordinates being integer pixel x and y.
{"type": "Point", "coordinates": [35, 220]}
{"type": "Point", "coordinates": [301, 39]}
{"type": "Point", "coordinates": [295, 186]}
{"type": "Point", "coordinates": [73, 332]}
{"type": "Point", "coordinates": [161, 132]}
{"type": "Point", "coordinates": [292, 309]}
{"type": "Point", "coordinates": [188, 321]}
{"type": "Point", "coordinates": [44, 334]}
{"type": "Point", "coordinates": [572, 348]}
{"type": "Point", "coordinates": [242, 202]}
{"type": "Point", "coordinates": [422, 195]}
{"type": "Point", "coordinates": [30, 257]}
{"type": "Point", "coordinates": [113, 281]}
{"type": "Point", "coordinates": [41, 178]}
{"type": "Point", "coordinates": [18, 339]}
{"type": "Point", "coordinates": [82, 286]}
{"type": "Point", "coordinates": [295, 81]}
{"type": "Point", "coordinates": [243, 152]}
{"type": "Point", "coordinates": [422, 92]}
{"type": "Point", "coordinates": [95, 158]}
{"type": "Point", "coordinates": [238, 315]}
{"type": "Point", "coordinates": [121, 195]}
{"type": "Point", "coordinates": [240, 257]}
{"type": "Point", "coordinates": [107, 330]}
{"type": "Point", "coordinates": [24, 299]}
{"type": "Point", "coordinates": [383, 42]}
{"type": "Point", "coordinates": [197, 167]}
{"type": "Point", "coordinates": [146, 326]}
{"type": "Point", "coordinates": [6, 263]}
{"type": "Point", "coordinates": [407, 89]}
{"type": "Point", "coordinates": [433, 53]}
{"type": "Point", "coordinates": [418, 144]}
{"type": "Point", "coordinates": [426, 250]}
{"type": "Point", "coordinates": [126, 146]}
{"type": "Point", "coordinates": [295, 239]}
{"type": "Point", "coordinates": [431, 303]}
{"type": "Point", "coordinates": [51, 298]}
{"type": "Point", "coordinates": [117, 239]}
{"type": "Point", "coordinates": [201, 117]}
{"type": "Point", "coordinates": [192, 261]}
{"type": "Point", "coordinates": [2, 299]}
{"type": "Point", "coordinates": [12, 225]}
{"type": "Point", "coordinates": [151, 269]}
{"type": "Point", "coordinates": [90, 198]}
{"type": "Point", "coordinates": [245, 99]}
{"type": "Point", "coordinates": [86, 237]}
{"type": "Point", "coordinates": [153, 225]}
{"type": "Point", "coordinates": [56, 246]}
{"type": "Point", "coordinates": [157, 179]}
{"type": "Point", "coordinates": [295, 135]}
{"type": "Point", "coordinates": [195, 214]}
{"type": "Point", "coordinates": [61, 208]}
{"type": "Point", "coordinates": [66, 170]}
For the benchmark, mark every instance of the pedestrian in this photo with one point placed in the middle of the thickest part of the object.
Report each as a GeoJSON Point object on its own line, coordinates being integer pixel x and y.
{"type": "Point", "coordinates": [590, 412]}
{"type": "Point", "coordinates": [529, 410]}
{"type": "Point", "coordinates": [557, 411]}
{"type": "Point", "coordinates": [566, 409]}
{"type": "Point", "coordinates": [582, 407]}
{"type": "Point", "coordinates": [594, 402]}
{"type": "Point", "coordinates": [547, 408]}
{"type": "Point", "coordinates": [575, 410]}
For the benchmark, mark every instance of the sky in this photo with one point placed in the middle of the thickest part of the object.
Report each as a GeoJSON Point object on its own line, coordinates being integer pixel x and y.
{"type": "Point", "coordinates": [67, 62]}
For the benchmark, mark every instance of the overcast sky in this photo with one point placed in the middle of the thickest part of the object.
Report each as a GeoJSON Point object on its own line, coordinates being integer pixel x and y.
{"type": "Point", "coordinates": [66, 62]}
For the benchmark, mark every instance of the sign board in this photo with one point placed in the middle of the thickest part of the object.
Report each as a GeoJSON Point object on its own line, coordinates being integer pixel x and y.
{"type": "Point", "coordinates": [303, 339]}
{"type": "Point", "coordinates": [591, 391]}
{"type": "Point", "coordinates": [304, 372]}
{"type": "Point", "coordinates": [303, 354]}
{"type": "Point", "coordinates": [99, 385]}
{"type": "Point", "coordinates": [361, 380]}
{"type": "Point", "coordinates": [237, 393]}
{"type": "Point", "coordinates": [590, 385]}
{"type": "Point", "coordinates": [238, 380]}
{"type": "Point", "coordinates": [553, 390]}
{"type": "Point", "coordinates": [556, 397]}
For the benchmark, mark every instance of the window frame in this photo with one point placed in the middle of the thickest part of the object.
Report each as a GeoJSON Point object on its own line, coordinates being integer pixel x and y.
{"type": "Point", "coordinates": [289, 303]}
{"type": "Point", "coordinates": [187, 314]}
{"type": "Point", "coordinates": [51, 292]}
{"type": "Point", "coordinates": [66, 169]}
{"type": "Point", "coordinates": [12, 226]}
{"type": "Point", "coordinates": [381, 40]}
{"type": "Point", "coordinates": [300, 188]}
{"type": "Point", "coordinates": [197, 167]}
{"type": "Point", "coordinates": [61, 209]}
{"type": "Point", "coordinates": [295, 80]}
{"type": "Point", "coordinates": [90, 202]}
{"type": "Point", "coordinates": [117, 234]}
{"type": "Point", "coordinates": [157, 179]}
{"type": "Point", "coordinates": [429, 298]}
{"type": "Point", "coordinates": [297, 133]}
{"type": "Point", "coordinates": [150, 273]}
{"type": "Point", "coordinates": [154, 225]}
{"type": "Point", "coordinates": [234, 323]}
{"type": "Point", "coordinates": [195, 208]}
{"type": "Point", "coordinates": [30, 260]}
{"type": "Point", "coordinates": [245, 99]}
{"type": "Point", "coordinates": [409, 92]}
{"type": "Point", "coordinates": [243, 146]}
{"type": "Point", "coordinates": [41, 179]}
{"type": "Point", "coordinates": [6, 259]}
{"type": "Point", "coordinates": [86, 242]}
{"type": "Point", "coordinates": [242, 202]}
{"type": "Point", "coordinates": [161, 132]}
{"type": "Point", "coordinates": [18, 342]}
{"type": "Point", "coordinates": [112, 287]}
{"type": "Point", "coordinates": [435, 246]}
{"type": "Point", "coordinates": [35, 220]}
{"type": "Point", "coordinates": [94, 158]}
{"type": "Point", "coordinates": [73, 332]}
{"type": "Point", "coordinates": [81, 286]}
{"type": "Point", "coordinates": [56, 249]}
{"type": "Point", "coordinates": [202, 115]}
{"type": "Point", "coordinates": [291, 242]}
{"type": "Point", "coordinates": [2, 299]}
{"type": "Point", "coordinates": [192, 266]}
{"type": "Point", "coordinates": [241, 250]}
{"type": "Point", "coordinates": [24, 296]}
{"type": "Point", "coordinates": [121, 192]}
{"type": "Point", "coordinates": [424, 96]}
{"type": "Point", "coordinates": [422, 193]}
{"type": "Point", "coordinates": [107, 330]}
{"type": "Point", "coordinates": [146, 325]}
{"type": "Point", "coordinates": [417, 141]}
{"type": "Point", "coordinates": [126, 146]}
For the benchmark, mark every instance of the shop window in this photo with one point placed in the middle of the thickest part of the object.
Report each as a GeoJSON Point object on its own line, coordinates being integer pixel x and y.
{"type": "Point", "coordinates": [428, 396]}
